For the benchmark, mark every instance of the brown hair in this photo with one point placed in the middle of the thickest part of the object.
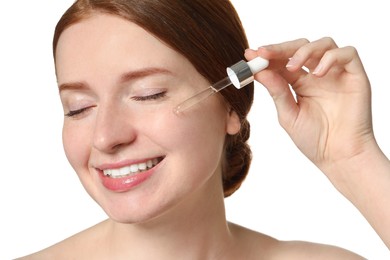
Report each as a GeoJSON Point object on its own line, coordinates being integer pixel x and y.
{"type": "Point", "coordinates": [209, 34]}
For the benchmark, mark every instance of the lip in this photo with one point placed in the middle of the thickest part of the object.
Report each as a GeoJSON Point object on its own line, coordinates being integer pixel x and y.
{"type": "Point", "coordinates": [126, 183]}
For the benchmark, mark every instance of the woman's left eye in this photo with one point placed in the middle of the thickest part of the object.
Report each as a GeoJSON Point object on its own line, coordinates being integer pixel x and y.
{"type": "Point", "coordinates": [150, 97]}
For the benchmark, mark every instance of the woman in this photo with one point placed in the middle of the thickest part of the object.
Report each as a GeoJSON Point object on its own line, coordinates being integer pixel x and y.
{"type": "Point", "coordinates": [122, 66]}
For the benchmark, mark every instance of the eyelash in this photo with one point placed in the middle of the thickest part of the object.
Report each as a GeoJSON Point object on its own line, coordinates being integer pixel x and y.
{"type": "Point", "coordinates": [74, 113]}
{"type": "Point", "coordinates": [150, 97]}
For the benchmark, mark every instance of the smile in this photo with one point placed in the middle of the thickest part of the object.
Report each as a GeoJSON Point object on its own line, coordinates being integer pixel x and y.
{"type": "Point", "coordinates": [131, 169]}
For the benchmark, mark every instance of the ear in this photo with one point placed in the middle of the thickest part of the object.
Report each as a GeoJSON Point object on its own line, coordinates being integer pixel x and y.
{"type": "Point", "coordinates": [233, 125]}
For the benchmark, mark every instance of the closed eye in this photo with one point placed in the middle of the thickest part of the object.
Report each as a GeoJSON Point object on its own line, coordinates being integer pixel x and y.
{"type": "Point", "coordinates": [73, 113]}
{"type": "Point", "coordinates": [150, 97]}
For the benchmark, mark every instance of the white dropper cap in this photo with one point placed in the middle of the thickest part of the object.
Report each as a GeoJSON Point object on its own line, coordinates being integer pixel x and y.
{"type": "Point", "coordinates": [241, 73]}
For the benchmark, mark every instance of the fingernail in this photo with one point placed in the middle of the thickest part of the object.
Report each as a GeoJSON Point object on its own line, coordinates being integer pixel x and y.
{"type": "Point", "coordinates": [291, 63]}
{"type": "Point", "coordinates": [317, 69]}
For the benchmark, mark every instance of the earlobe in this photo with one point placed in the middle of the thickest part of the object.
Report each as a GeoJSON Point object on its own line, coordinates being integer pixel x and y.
{"type": "Point", "coordinates": [233, 125]}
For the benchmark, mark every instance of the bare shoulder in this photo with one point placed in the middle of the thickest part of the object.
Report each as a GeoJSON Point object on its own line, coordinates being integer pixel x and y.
{"type": "Point", "coordinates": [307, 250]}
{"type": "Point", "coordinates": [74, 245]}
{"type": "Point", "coordinates": [260, 246]}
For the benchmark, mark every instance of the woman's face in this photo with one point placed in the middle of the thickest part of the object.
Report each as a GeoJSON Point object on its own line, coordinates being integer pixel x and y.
{"type": "Point", "coordinates": [134, 156]}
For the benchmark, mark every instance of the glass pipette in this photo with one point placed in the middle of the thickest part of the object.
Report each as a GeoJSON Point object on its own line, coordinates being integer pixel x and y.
{"type": "Point", "coordinates": [239, 74]}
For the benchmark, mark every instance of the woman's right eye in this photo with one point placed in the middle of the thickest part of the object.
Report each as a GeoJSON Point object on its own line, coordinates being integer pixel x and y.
{"type": "Point", "coordinates": [74, 113]}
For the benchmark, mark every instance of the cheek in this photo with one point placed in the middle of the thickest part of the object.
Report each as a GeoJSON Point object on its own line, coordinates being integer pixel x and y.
{"type": "Point", "coordinates": [197, 137]}
{"type": "Point", "coordinates": [75, 143]}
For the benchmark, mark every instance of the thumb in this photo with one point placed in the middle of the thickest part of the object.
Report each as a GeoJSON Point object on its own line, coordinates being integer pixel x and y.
{"type": "Point", "coordinates": [279, 90]}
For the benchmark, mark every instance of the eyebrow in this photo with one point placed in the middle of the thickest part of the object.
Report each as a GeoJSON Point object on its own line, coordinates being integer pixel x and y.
{"type": "Point", "coordinates": [73, 86]}
{"type": "Point", "coordinates": [128, 76]}
{"type": "Point", "coordinates": [145, 72]}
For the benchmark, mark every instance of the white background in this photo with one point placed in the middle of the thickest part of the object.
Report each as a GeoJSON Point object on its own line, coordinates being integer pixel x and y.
{"type": "Point", "coordinates": [285, 196]}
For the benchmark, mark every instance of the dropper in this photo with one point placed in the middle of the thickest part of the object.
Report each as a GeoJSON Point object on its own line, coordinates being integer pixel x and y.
{"type": "Point", "coordinates": [239, 74]}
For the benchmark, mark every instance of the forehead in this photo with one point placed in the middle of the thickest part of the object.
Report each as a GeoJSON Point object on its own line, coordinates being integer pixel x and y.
{"type": "Point", "coordinates": [105, 45]}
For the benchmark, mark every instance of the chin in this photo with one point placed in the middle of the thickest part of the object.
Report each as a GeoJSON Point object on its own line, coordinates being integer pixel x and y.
{"type": "Point", "coordinates": [141, 214]}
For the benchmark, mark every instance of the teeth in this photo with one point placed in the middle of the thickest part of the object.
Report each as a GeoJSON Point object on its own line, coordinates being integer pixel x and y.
{"type": "Point", "coordinates": [149, 164]}
{"type": "Point", "coordinates": [142, 166]}
{"type": "Point", "coordinates": [132, 169]}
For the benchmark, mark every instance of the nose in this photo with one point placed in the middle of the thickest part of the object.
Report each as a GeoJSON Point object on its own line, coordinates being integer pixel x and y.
{"type": "Point", "coordinates": [113, 128]}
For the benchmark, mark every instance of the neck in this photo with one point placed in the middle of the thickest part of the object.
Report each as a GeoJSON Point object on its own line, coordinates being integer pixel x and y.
{"type": "Point", "coordinates": [194, 229]}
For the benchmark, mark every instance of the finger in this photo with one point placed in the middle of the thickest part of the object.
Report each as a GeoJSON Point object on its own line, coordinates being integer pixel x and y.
{"type": "Point", "coordinates": [283, 98]}
{"type": "Point", "coordinates": [281, 51]}
{"type": "Point", "coordinates": [279, 90]}
{"type": "Point", "coordinates": [309, 55]}
{"type": "Point", "coordinates": [280, 54]}
{"type": "Point", "coordinates": [250, 54]}
{"type": "Point", "coordinates": [280, 67]}
{"type": "Point", "coordinates": [345, 58]}
{"type": "Point", "coordinates": [274, 64]}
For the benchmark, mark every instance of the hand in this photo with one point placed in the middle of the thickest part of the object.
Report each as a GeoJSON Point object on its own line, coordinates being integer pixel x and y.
{"type": "Point", "coordinates": [330, 117]}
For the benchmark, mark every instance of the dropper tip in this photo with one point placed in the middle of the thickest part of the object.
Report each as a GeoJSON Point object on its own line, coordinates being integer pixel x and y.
{"type": "Point", "coordinates": [177, 110]}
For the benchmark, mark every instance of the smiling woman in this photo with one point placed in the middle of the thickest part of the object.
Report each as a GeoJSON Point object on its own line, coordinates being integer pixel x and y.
{"type": "Point", "coordinates": [125, 118]}
{"type": "Point", "coordinates": [122, 66]}
{"type": "Point", "coordinates": [194, 48]}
